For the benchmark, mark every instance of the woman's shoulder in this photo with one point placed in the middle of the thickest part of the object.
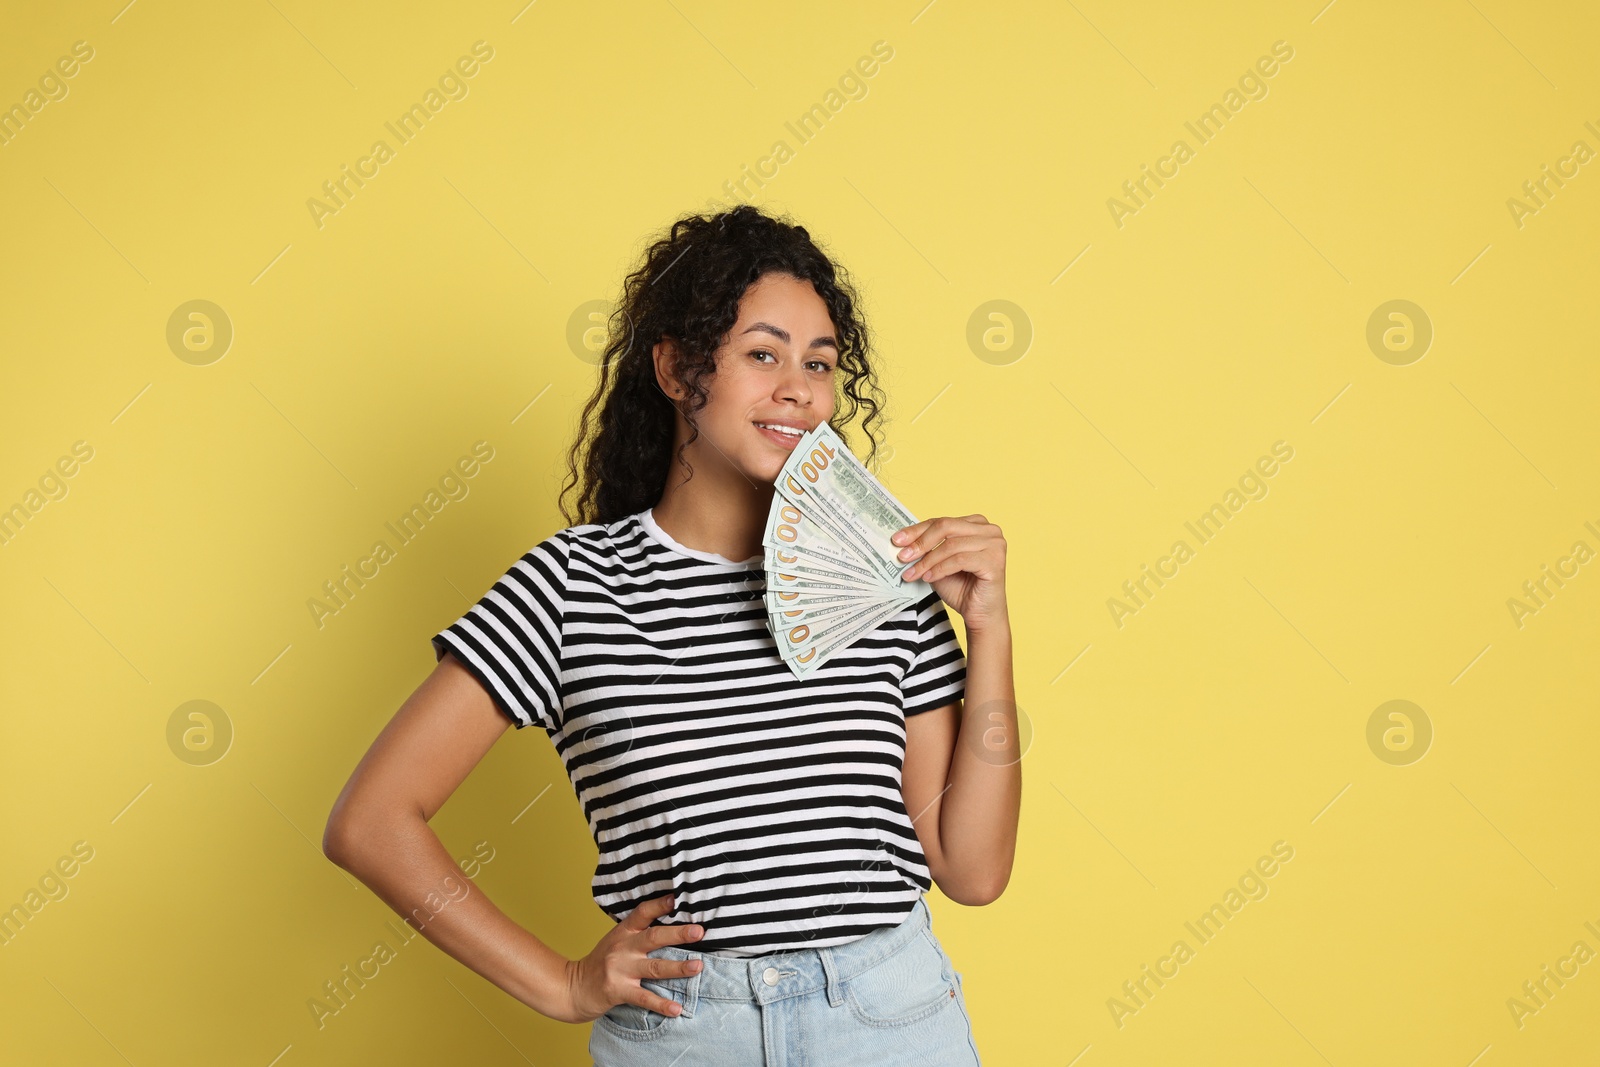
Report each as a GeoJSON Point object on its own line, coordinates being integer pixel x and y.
{"type": "Point", "coordinates": [591, 543]}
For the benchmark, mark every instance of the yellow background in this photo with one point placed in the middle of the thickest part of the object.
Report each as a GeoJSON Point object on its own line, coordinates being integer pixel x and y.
{"type": "Point", "coordinates": [1228, 313]}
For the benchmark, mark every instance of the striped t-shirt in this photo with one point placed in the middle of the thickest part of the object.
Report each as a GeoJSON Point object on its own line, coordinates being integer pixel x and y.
{"type": "Point", "coordinates": [769, 806]}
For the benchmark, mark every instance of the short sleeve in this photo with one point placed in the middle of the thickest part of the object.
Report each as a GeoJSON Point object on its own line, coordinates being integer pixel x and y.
{"type": "Point", "coordinates": [511, 639]}
{"type": "Point", "coordinates": [938, 672]}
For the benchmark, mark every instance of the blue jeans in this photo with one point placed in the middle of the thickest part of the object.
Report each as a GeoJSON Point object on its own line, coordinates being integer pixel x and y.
{"type": "Point", "coordinates": [890, 998]}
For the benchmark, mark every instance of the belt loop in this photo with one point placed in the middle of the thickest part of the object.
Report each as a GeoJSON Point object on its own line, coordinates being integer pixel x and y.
{"type": "Point", "coordinates": [835, 994]}
{"type": "Point", "coordinates": [691, 988]}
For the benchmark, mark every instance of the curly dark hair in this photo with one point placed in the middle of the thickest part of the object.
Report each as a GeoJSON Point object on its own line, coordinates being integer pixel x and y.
{"type": "Point", "coordinates": [688, 288]}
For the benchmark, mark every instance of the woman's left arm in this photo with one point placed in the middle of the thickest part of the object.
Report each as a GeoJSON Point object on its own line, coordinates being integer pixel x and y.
{"type": "Point", "coordinates": [962, 777]}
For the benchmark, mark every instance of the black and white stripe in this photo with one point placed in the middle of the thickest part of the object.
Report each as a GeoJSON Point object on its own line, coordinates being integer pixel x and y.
{"type": "Point", "coordinates": [769, 806]}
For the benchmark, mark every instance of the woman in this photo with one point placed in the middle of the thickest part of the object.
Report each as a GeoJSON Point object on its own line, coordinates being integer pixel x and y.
{"type": "Point", "coordinates": [764, 841]}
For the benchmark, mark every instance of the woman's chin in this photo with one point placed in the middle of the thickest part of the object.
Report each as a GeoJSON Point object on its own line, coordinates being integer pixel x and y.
{"type": "Point", "coordinates": [764, 470]}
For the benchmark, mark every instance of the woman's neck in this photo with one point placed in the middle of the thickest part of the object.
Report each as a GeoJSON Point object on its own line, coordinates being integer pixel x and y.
{"type": "Point", "coordinates": [728, 520]}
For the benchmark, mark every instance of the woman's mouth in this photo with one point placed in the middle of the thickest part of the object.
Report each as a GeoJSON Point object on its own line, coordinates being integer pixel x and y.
{"type": "Point", "coordinates": [785, 438]}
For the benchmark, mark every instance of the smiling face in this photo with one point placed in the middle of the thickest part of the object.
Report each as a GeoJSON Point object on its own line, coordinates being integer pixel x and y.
{"type": "Point", "coordinates": [778, 367]}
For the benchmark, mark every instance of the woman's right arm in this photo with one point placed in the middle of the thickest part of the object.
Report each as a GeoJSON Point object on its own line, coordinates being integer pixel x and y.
{"type": "Point", "coordinates": [378, 831]}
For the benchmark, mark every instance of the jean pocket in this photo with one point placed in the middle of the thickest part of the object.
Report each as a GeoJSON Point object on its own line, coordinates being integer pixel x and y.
{"type": "Point", "coordinates": [907, 987]}
{"type": "Point", "coordinates": [639, 1023]}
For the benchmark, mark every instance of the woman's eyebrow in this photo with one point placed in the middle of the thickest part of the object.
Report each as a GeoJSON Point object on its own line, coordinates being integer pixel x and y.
{"type": "Point", "coordinates": [783, 335]}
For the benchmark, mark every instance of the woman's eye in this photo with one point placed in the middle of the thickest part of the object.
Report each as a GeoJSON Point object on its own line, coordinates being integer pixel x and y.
{"type": "Point", "coordinates": [823, 365]}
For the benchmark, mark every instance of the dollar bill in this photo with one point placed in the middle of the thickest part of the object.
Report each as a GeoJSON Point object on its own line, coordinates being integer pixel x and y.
{"type": "Point", "coordinates": [852, 503]}
{"type": "Point", "coordinates": [826, 644]}
{"type": "Point", "coordinates": [831, 568]}
{"type": "Point", "coordinates": [801, 630]}
{"type": "Point", "coordinates": [803, 543]}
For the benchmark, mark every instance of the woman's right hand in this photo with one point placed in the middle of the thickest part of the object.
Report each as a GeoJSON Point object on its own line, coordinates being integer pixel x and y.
{"type": "Point", "coordinates": [610, 974]}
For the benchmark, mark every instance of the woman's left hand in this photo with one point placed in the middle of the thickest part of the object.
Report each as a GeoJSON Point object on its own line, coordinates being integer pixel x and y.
{"type": "Point", "coordinates": [964, 559]}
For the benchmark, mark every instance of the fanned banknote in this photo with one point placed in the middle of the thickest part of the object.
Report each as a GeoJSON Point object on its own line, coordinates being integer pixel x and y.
{"type": "Point", "coordinates": [833, 574]}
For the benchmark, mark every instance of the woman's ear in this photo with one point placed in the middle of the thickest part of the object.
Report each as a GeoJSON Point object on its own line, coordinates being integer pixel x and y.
{"type": "Point", "coordinates": [665, 356]}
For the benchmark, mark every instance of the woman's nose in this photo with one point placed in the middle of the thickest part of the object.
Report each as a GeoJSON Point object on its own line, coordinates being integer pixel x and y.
{"type": "Point", "coordinates": [793, 384]}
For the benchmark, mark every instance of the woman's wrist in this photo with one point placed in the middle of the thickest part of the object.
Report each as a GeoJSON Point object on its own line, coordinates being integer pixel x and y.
{"type": "Point", "coordinates": [545, 984]}
{"type": "Point", "coordinates": [993, 627]}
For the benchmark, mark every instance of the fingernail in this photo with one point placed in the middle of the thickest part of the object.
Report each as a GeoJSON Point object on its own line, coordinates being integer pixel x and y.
{"type": "Point", "coordinates": [899, 538]}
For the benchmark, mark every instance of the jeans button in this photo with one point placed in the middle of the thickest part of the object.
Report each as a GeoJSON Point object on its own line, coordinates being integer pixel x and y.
{"type": "Point", "coordinates": [770, 976]}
